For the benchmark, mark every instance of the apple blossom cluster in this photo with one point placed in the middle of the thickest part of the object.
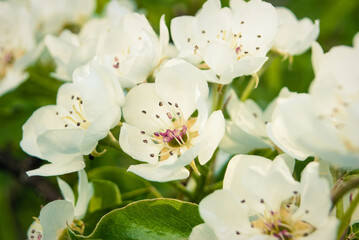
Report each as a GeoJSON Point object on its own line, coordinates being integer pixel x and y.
{"type": "Point", "coordinates": [171, 95]}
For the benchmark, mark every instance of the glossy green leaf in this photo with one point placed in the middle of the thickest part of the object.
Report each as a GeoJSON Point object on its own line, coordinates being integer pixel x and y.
{"type": "Point", "coordinates": [148, 219]}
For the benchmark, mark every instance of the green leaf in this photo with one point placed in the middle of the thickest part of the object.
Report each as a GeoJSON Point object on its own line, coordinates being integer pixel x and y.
{"type": "Point", "coordinates": [147, 219]}
{"type": "Point", "coordinates": [106, 194]}
{"type": "Point", "coordinates": [127, 182]}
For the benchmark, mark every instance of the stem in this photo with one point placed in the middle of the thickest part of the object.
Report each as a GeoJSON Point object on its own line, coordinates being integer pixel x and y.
{"type": "Point", "coordinates": [134, 193]}
{"type": "Point", "coordinates": [338, 193]}
{"type": "Point", "coordinates": [155, 192]}
{"type": "Point", "coordinates": [218, 96]}
{"type": "Point", "coordinates": [111, 141]}
{"type": "Point", "coordinates": [182, 189]}
{"type": "Point", "coordinates": [249, 88]}
{"type": "Point", "coordinates": [213, 187]}
{"type": "Point", "coordinates": [345, 220]}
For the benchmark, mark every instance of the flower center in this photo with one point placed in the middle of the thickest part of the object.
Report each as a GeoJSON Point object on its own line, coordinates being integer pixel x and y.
{"type": "Point", "coordinates": [175, 137]}
{"type": "Point", "coordinates": [35, 232]}
{"type": "Point", "coordinates": [76, 116]}
{"type": "Point", "coordinates": [282, 224]}
{"type": "Point", "coordinates": [7, 59]}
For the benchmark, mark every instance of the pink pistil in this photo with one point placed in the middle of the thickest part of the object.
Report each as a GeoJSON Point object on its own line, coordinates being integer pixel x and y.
{"type": "Point", "coordinates": [171, 134]}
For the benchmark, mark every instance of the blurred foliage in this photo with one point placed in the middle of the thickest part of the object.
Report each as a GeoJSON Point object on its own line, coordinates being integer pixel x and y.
{"type": "Point", "coordinates": [21, 197]}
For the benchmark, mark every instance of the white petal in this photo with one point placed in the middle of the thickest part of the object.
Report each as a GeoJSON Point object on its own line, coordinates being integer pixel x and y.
{"type": "Point", "coordinates": [202, 232]}
{"type": "Point", "coordinates": [144, 98]}
{"type": "Point", "coordinates": [181, 31]}
{"type": "Point", "coordinates": [41, 120]}
{"type": "Point", "coordinates": [245, 66]}
{"type": "Point", "coordinates": [66, 191]}
{"type": "Point", "coordinates": [314, 208]}
{"type": "Point", "coordinates": [213, 132]}
{"type": "Point", "coordinates": [156, 174]}
{"type": "Point", "coordinates": [83, 195]}
{"type": "Point", "coordinates": [11, 80]}
{"type": "Point", "coordinates": [223, 212]}
{"type": "Point", "coordinates": [132, 143]}
{"type": "Point", "coordinates": [219, 57]}
{"type": "Point", "coordinates": [237, 166]}
{"type": "Point", "coordinates": [54, 217]}
{"type": "Point", "coordinates": [58, 169]}
{"type": "Point", "coordinates": [327, 230]}
{"type": "Point", "coordinates": [356, 41]}
{"type": "Point", "coordinates": [182, 83]}
{"type": "Point", "coordinates": [287, 159]}
{"type": "Point", "coordinates": [237, 141]}
{"type": "Point", "coordinates": [317, 55]}
{"type": "Point", "coordinates": [164, 35]}
{"type": "Point", "coordinates": [262, 183]}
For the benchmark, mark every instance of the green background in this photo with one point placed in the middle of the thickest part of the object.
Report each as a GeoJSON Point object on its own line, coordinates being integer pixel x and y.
{"type": "Point", "coordinates": [21, 197]}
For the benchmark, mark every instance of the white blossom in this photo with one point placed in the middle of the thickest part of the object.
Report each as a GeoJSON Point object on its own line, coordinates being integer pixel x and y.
{"type": "Point", "coordinates": [57, 215]}
{"type": "Point", "coordinates": [261, 200]}
{"type": "Point", "coordinates": [160, 128]}
{"type": "Point", "coordinates": [84, 113]}
{"type": "Point", "coordinates": [323, 123]}
{"type": "Point", "coordinates": [17, 45]}
{"type": "Point", "coordinates": [132, 49]}
{"type": "Point", "coordinates": [51, 16]}
{"type": "Point", "coordinates": [227, 42]}
{"type": "Point", "coordinates": [246, 129]}
{"type": "Point", "coordinates": [294, 36]}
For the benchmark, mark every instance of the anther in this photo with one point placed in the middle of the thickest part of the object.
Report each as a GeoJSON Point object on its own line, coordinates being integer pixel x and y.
{"type": "Point", "coordinates": [145, 141]}
{"type": "Point", "coordinates": [176, 105]}
{"type": "Point", "coordinates": [169, 115]}
{"type": "Point", "coordinates": [66, 125]}
{"type": "Point", "coordinates": [142, 132]}
{"type": "Point", "coordinates": [295, 192]}
{"type": "Point", "coordinates": [257, 48]}
{"type": "Point", "coordinates": [157, 116]}
{"type": "Point", "coordinates": [78, 124]}
{"type": "Point", "coordinates": [70, 112]}
{"type": "Point", "coordinates": [72, 97]}
{"type": "Point", "coordinates": [78, 98]}
{"type": "Point", "coordinates": [169, 103]}
{"type": "Point", "coordinates": [259, 36]}
{"type": "Point", "coordinates": [152, 155]}
{"type": "Point", "coordinates": [188, 40]}
{"type": "Point", "coordinates": [306, 211]}
{"type": "Point", "coordinates": [57, 113]}
{"type": "Point", "coordinates": [243, 201]}
{"type": "Point", "coordinates": [242, 22]}
{"type": "Point", "coordinates": [160, 104]}
{"type": "Point", "coordinates": [143, 111]}
{"type": "Point", "coordinates": [178, 113]}
{"type": "Point", "coordinates": [262, 201]}
{"type": "Point", "coordinates": [237, 232]}
{"type": "Point", "coordinates": [203, 31]}
{"type": "Point", "coordinates": [245, 52]}
{"type": "Point", "coordinates": [171, 153]}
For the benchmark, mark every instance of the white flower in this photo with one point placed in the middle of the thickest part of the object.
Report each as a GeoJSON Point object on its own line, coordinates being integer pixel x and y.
{"type": "Point", "coordinates": [246, 130]}
{"type": "Point", "coordinates": [52, 16]}
{"type": "Point", "coordinates": [294, 36]}
{"type": "Point", "coordinates": [261, 200]}
{"type": "Point", "coordinates": [57, 215]}
{"type": "Point", "coordinates": [160, 128]}
{"type": "Point", "coordinates": [323, 123]}
{"type": "Point", "coordinates": [17, 45]}
{"type": "Point", "coordinates": [132, 50]}
{"type": "Point", "coordinates": [85, 111]}
{"type": "Point", "coordinates": [228, 42]}
{"type": "Point", "coordinates": [71, 50]}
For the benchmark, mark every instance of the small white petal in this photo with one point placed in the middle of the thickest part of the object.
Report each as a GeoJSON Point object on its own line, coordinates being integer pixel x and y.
{"type": "Point", "coordinates": [213, 132]}
{"type": "Point", "coordinates": [66, 191]}
{"type": "Point", "coordinates": [83, 195]}
{"type": "Point", "coordinates": [202, 232]}
{"type": "Point", "coordinates": [54, 217]}
{"type": "Point", "coordinates": [157, 174]}
{"type": "Point", "coordinates": [52, 169]}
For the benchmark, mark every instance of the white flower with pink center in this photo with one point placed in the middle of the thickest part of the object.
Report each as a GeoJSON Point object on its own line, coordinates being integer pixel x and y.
{"type": "Point", "coordinates": [261, 200]}
{"type": "Point", "coordinates": [161, 127]}
{"type": "Point", "coordinates": [227, 42]}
